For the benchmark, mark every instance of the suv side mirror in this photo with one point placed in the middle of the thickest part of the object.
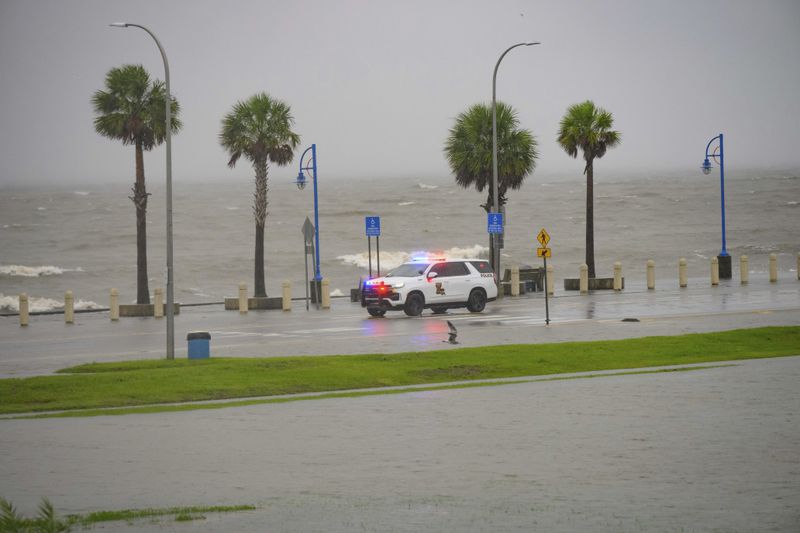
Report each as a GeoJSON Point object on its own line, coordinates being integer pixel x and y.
{"type": "Point", "coordinates": [432, 275]}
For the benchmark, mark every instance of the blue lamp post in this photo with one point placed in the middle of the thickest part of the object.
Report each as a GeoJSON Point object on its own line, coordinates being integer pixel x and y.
{"type": "Point", "coordinates": [311, 166]}
{"type": "Point", "coordinates": [719, 158]}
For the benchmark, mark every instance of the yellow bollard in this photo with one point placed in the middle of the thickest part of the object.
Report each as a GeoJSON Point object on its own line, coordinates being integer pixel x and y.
{"type": "Point", "coordinates": [326, 293]}
{"type": "Point", "coordinates": [69, 308]}
{"type": "Point", "coordinates": [584, 279]}
{"type": "Point", "coordinates": [242, 298]}
{"type": "Point", "coordinates": [286, 293]}
{"type": "Point", "coordinates": [114, 309]}
{"type": "Point", "coordinates": [551, 282]}
{"type": "Point", "coordinates": [23, 309]}
{"type": "Point", "coordinates": [617, 276]}
{"type": "Point", "coordinates": [773, 268]}
{"type": "Point", "coordinates": [714, 271]}
{"type": "Point", "coordinates": [158, 303]}
{"type": "Point", "coordinates": [651, 274]}
{"type": "Point", "coordinates": [683, 278]}
{"type": "Point", "coordinates": [744, 269]}
{"type": "Point", "coordinates": [515, 281]}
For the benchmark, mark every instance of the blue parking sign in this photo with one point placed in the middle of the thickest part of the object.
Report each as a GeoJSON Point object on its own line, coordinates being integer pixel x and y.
{"type": "Point", "coordinates": [495, 222]}
{"type": "Point", "coordinates": [373, 225]}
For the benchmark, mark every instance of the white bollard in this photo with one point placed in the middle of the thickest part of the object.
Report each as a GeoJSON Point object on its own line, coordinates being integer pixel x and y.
{"type": "Point", "coordinates": [114, 304]}
{"type": "Point", "coordinates": [326, 293]}
{"type": "Point", "coordinates": [242, 298]}
{"type": "Point", "coordinates": [584, 279]}
{"type": "Point", "coordinates": [515, 281]}
{"type": "Point", "coordinates": [158, 303]}
{"type": "Point", "coordinates": [617, 276]}
{"type": "Point", "coordinates": [714, 271]}
{"type": "Point", "coordinates": [798, 265]}
{"type": "Point", "coordinates": [551, 282]}
{"type": "Point", "coordinates": [23, 309]}
{"type": "Point", "coordinates": [773, 268]}
{"type": "Point", "coordinates": [744, 269]}
{"type": "Point", "coordinates": [683, 278]}
{"type": "Point", "coordinates": [651, 274]}
{"type": "Point", "coordinates": [286, 293]}
{"type": "Point", "coordinates": [69, 308]}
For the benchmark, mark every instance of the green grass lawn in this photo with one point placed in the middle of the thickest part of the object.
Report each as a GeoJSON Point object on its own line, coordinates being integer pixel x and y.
{"type": "Point", "coordinates": [137, 383]}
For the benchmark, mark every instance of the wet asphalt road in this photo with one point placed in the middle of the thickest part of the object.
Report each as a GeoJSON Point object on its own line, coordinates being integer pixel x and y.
{"type": "Point", "coordinates": [47, 344]}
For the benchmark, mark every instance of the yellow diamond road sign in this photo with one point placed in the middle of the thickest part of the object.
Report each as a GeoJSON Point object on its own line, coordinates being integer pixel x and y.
{"type": "Point", "coordinates": [544, 252]}
{"type": "Point", "coordinates": [543, 237]}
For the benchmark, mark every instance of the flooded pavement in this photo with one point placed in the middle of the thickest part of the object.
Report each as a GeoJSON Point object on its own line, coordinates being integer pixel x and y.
{"type": "Point", "coordinates": [47, 344]}
{"type": "Point", "coordinates": [713, 449]}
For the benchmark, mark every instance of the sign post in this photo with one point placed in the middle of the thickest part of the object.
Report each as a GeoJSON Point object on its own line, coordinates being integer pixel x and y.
{"type": "Point", "coordinates": [544, 252]}
{"type": "Point", "coordinates": [373, 229]}
{"type": "Point", "coordinates": [308, 238]}
{"type": "Point", "coordinates": [494, 225]}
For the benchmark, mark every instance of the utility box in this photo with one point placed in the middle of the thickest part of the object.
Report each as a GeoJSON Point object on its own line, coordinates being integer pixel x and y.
{"type": "Point", "coordinates": [199, 344]}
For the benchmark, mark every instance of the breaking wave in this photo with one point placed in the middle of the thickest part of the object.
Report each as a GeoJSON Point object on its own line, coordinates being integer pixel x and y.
{"type": "Point", "coordinates": [38, 305]}
{"type": "Point", "coordinates": [36, 271]}
{"type": "Point", "coordinates": [390, 260]}
{"type": "Point", "coordinates": [426, 186]}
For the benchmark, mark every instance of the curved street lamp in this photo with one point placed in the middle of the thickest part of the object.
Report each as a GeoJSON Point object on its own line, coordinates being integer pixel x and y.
{"type": "Point", "coordinates": [170, 281]}
{"type": "Point", "coordinates": [718, 156]}
{"type": "Point", "coordinates": [311, 166]}
{"type": "Point", "coordinates": [495, 241]}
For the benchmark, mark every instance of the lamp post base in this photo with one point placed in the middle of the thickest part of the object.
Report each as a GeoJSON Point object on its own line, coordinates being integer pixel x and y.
{"type": "Point", "coordinates": [725, 270]}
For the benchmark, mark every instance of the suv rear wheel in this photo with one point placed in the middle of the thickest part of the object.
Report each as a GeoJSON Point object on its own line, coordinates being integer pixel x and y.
{"type": "Point", "coordinates": [415, 303]}
{"type": "Point", "coordinates": [376, 312]}
{"type": "Point", "coordinates": [438, 309]}
{"type": "Point", "coordinates": [477, 301]}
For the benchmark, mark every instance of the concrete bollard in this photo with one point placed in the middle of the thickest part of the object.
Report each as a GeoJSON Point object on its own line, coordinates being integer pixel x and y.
{"type": "Point", "coordinates": [551, 282]}
{"type": "Point", "coordinates": [158, 303]}
{"type": "Point", "coordinates": [114, 308]}
{"type": "Point", "coordinates": [683, 277]}
{"type": "Point", "coordinates": [326, 293]}
{"type": "Point", "coordinates": [773, 268]}
{"type": "Point", "coordinates": [584, 279]}
{"type": "Point", "coordinates": [651, 274]}
{"type": "Point", "coordinates": [617, 276]}
{"type": "Point", "coordinates": [69, 308]}
{"type": "Point", "coordinates": [714, 271]}
{"type": "Point", "coordinates": [242, 298]}
{"type": "Point", "coordinates": [744, 269]}
{"type": "Point", "coordinates": [515, 281]}
{"type": "Point", "coordinates": [23, 309]}
{"type": "Point", "coordinates": [286, 293]}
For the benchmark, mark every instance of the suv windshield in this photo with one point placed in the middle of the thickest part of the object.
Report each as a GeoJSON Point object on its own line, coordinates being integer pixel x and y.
{"type": "Point", "coordinates": [408, 270]}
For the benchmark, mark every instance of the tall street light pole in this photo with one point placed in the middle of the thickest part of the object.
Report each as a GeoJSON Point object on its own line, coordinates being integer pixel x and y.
{"type": "Point", "coordinates": [170, 283]}
{"type": "Point", "coordinates": [719, 157]}
{"type": "Point", "coordinates": [496, 207]}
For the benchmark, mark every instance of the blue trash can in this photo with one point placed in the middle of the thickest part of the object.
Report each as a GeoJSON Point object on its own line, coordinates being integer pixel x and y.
{"type": "Point", "coordinates": [199, 344]}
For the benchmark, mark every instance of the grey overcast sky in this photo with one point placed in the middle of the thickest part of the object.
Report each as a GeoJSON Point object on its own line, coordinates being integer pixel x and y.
{"type": "Point", "coordinates": [377, 84]}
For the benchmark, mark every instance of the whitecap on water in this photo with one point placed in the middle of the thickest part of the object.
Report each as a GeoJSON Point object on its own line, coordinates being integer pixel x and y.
{"type": "Point", "coordinates": [426, 186]}
{"type": "Point", "coordinates": [392, 259]}
{"type": "Point", "coordinates": [35, 271]}
{"type": "Point", "coordinates": [402, 204]}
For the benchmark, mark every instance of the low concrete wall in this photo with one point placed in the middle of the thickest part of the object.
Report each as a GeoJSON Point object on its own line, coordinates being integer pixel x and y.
{"type": "Point", "coordinates": [145, 309]}
{"type": "Point", "coordinates": [595, 284]}
{"type": "Point", "coordinates": [232, 304]}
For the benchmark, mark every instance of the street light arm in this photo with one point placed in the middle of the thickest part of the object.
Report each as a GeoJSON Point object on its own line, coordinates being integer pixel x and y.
{"type": "Point", "coordinates": [710, 142]}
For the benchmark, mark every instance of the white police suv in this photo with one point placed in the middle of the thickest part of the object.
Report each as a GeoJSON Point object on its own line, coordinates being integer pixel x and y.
{"type": "Point", "coordinates": [436, 284]}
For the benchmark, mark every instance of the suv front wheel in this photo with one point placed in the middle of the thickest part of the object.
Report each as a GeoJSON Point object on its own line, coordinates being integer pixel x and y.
{"type": "Point", "coordinates": [477, 301]}
{"type": "Point", "coordinates": [415, 303]}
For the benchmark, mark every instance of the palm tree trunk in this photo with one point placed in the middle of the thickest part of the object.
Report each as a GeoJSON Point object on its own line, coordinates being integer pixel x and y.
{"type": "Point", "coordinates": [139, 199]}
{"type": "Point", "coordinates": [260, 213]}
{"type": "Point", "coordinates": [590, 217]}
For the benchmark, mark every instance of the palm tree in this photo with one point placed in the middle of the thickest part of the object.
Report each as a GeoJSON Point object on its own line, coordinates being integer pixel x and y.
{"type": "Point", "coordinates": [132, 109]}
{"type": "Point", "coordinates": [259, 128]}
{"type": "Point", "coordinates": [588, 128]}
{"type": "Point", "coordinates": [469, 152]}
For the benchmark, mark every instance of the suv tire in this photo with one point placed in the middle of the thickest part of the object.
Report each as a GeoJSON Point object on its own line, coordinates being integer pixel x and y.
{"type": "Point", "coordinates": [376, 312]}
{"type": "Point", "coordinates": [415, 303]}
{"type": "Point", "coordinates": [477, 301]}
{"type": "Point", "coordinates": [439, 309]}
